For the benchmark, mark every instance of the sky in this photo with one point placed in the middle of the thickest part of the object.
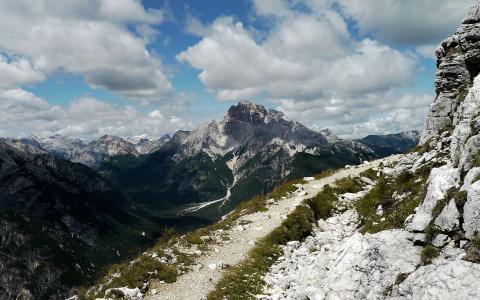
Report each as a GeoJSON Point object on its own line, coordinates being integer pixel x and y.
{"type": "Point", "coordinates": [85, 68]}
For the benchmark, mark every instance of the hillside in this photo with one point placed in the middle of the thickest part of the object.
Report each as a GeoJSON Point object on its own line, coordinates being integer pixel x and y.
{"type": "Point", "coordinates": [210, 170]}
{"type": "Point", "coordinates": [407, 227]}
{"type": "Point", "coordinates": [62, 223]}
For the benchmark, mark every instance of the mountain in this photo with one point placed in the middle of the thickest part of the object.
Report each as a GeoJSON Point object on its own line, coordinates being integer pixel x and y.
{"type": "Point", "coordinates": [384, 145]}
{"type": "Point", "coordinates": [61, 223]}
{"type": "Point", "coordinates": [416, 232]}
{"type": "Point", "coordinates": [407, 227]}
{"type": "Point", "coordinates": [93, 153]}
{"type": "Point", "coordinates": [250, 151]}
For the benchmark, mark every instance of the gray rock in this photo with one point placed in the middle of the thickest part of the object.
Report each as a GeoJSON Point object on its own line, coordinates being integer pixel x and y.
{"type": "Point", "coordinates": [448, 220]}
{"type": "Point", "coordinates": [473, 15]}
{"type": "Point", "coordinates": [471, 211]}
{"type": "Point", "coordinates": [468, 180]}
{"type": "Point", "coordinates": [441, 240]}
{"type": "Point", "coordinates": [440, 181]}
{"type": "Point", "coordinates": [441, 280]}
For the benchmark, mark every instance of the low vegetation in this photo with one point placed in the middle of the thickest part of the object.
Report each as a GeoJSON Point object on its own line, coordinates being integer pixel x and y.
{"type": "Point", "coordinates": [473, 250]}
{"type": "Point", "coordinates": [245, 280]}
{"type": "Point", "coordinates": [397, 196]}
{"type": "Point", "coordinates": [136, 271]}
{"type": "Point", "coordinates": [428, 254]}
{"type": "Point", "coordinates": [421, 149]}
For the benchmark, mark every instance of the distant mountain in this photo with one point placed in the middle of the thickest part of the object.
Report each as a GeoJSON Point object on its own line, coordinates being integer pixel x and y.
{"type": "Point", "coordinates": [384, 145]}
{"type": "Point", "coordinates": [93, 153]}
{"type": "Point", "coordinates": [249, 152]}
{"type": "Point", "coordinates": [61, 223]}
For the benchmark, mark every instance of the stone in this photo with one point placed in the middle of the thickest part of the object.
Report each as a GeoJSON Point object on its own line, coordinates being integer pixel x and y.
{"type": "Point", "coordinates": [473, 14]}
{"type": "Point", "coordinates": [439, 182]}
{"type": "Point", "coordinates": [440, 240]}
{"type": "Point", "coordinates": [468, 180]}
{"type": "Point", "coordinates": [471, 211]}
{"type": "Point", "coordinates": [448, 220]}
{"type": "Point", "coordinates": [441, 280]}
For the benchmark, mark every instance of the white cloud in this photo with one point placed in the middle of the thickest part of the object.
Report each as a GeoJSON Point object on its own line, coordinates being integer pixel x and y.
{"type": "Point", "coordinates": [310, 58]}
{"type": "Point", "coordinates": [409, 22]}
{"type": "Point", "coordinates": [22, 113]}
{"type": "Point", "coordinates": [195, 26]}
{"type": "Point", "coordinates": [16, 70]}
{"type": "Point", "coordinates": [88, 38]}
{"type": "Point", "coordinates": [427, 51]}
{"type": "Point", "coordinates": [388, 112]}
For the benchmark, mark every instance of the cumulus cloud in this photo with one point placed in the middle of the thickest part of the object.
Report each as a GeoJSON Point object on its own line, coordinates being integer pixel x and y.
{"type": "Point", "coordinates": [304, 58]}
{"type": "Point", "coordinates": [406, 22]}
{"type": "Point", "coordinates": [311, 66]}
{"type": "Point", "coordinates": [22, 113]}
{"type": "Point", "coordinates": [16, 70]}
{"type": "Point", "coordinates": [88, 38]}
{"type": "Point", "coordinates": [372, 114]}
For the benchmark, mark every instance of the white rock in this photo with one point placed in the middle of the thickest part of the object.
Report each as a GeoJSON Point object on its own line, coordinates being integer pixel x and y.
{"type": "Point", "coordinates": [379, 211]}
{"type": "Point", "coordinates": [441, 280]}
{"type": "Point", "coordinates": [440, 240]}
{"type": "Point", "coordinates": [468, 180]}
{"type": "Point", "coordinates": [471, 211]}
{"type": "Point", "coordinates": [448, 219]}
{"type": "Point", "coordinates": [130, 294]}
{"type": "Point", "coordinates": [271, 202]}
{"type": "Point", "coordinates": [308, 178]}
{"type": "Point", "coordinates": [439, 182]}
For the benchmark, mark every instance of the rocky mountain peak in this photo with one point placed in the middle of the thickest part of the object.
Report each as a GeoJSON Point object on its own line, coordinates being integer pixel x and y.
{"type": "Point", "coordinates": [473, 15]}
{"type": "Point", "coordinates": [249, 112]}
{"type": "Point", "coordinates": [255, 114]}
{"type": "Point", "coordinates": [458, 63]}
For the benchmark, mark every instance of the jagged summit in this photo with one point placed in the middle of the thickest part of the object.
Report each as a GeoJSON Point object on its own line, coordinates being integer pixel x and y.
{"type": "Point", "coordinates": [250, 112]}
{"type": "Point", "coordinates": [473, 14]}
{"type": "Point", "coordinates": [458, 59]}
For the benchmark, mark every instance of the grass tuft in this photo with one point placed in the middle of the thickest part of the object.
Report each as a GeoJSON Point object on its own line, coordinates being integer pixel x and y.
{"type": "Point", "coordinates": [245, 280]}
{"type": "Point", "coordinates": [398, 196]}
{"type": "Point", "coordinates": [428, 254]}
{"type": "Point", "coordinates": [473, 250]}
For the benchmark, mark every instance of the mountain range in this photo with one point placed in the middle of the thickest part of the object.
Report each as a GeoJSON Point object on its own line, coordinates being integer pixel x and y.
{"type": "Point", "coordinates": [70, 208]}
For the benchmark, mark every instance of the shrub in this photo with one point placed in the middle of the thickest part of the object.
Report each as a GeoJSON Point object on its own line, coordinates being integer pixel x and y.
{"type": "Point", "coordinates": [323, 203]}
{"type": "Point", "coordinates": [395, 210]}
{"type": "Point", "coordinates": [428, 254]}
{"type": "Point", "coordinates": [244, 280]}
{"type": "Point", "coordinates": [473, 250]}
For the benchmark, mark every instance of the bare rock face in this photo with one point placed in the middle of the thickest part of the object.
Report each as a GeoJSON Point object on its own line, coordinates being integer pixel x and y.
{"type": "Point", "coordinates": [473, 15]}
{"type": "Point", "coordinates": [441, 280]}
{"type": "Point", "coordinates": [469, 178]}
{"type": "Point", "coordinates": [440, 180]}
{"type": "Point", "coordinates": [471, 212]}
{"type": "Point", "coordinates": [457, 63]}
{"type": "Point", "coordinates": [448, 220]}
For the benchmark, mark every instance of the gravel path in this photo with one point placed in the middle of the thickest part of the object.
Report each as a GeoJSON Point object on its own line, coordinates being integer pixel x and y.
{"type": "Point", "coordinates": [197, 283]}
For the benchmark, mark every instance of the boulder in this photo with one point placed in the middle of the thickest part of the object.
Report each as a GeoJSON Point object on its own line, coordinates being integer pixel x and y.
{"type": "Point", "coordinates": [471, 211]}
{"type": "Point", "coordinates": [448, 220]}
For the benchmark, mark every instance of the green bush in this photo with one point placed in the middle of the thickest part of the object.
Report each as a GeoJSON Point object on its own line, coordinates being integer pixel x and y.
{"type": "Point", "coordinates": [323, 203]}
{"type": "Point", "coordinates": [428, 254]}
{"type": "Point", "coordinates": [473, 250]}
{"type": "Point", "coordinates": [395, 211]}
{"type": "Point", "coordinates": [244, 280]}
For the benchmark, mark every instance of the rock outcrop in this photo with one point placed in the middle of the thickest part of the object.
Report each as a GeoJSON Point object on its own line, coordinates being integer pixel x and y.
{"type": "Point", "coordinates": [434, 253]}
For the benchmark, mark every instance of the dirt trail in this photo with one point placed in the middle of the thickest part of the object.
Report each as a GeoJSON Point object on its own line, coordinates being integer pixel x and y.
{"type": "Point", "coordinates": [197, 283]}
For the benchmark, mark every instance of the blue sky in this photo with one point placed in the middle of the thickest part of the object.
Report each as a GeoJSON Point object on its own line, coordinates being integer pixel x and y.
{"type": "Point", "coordinates": [127, 67]}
